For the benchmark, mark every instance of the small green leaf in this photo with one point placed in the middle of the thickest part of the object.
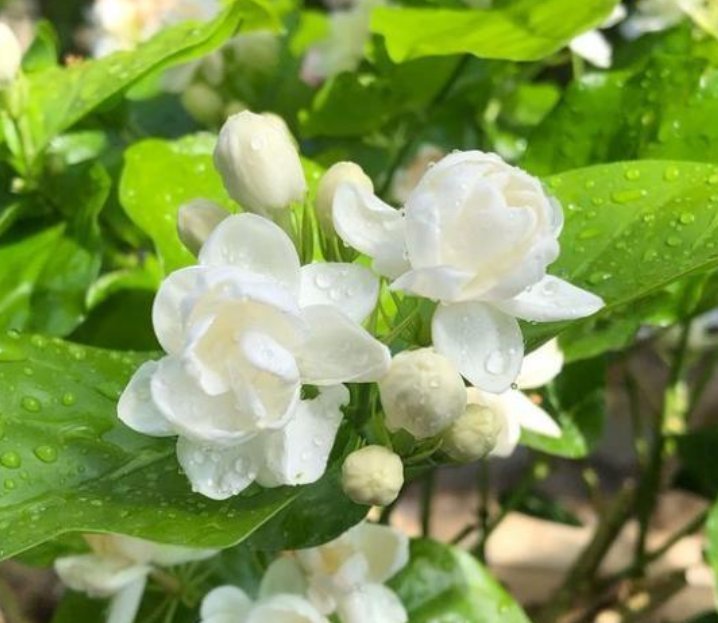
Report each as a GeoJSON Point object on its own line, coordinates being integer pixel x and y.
{"type": "Point", "coordinates": [520, 30]}
{"type": "Point", "coordinates": [443, 584]}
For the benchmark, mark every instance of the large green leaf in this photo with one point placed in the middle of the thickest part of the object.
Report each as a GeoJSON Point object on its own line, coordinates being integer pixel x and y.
{"type": "Point", "coordinates": [443, 584]}
{"type": "Point", "coordinates": [67, 464]}
{"type": "Point", "coordinates": [60, 97]}
{"type": "Point", "coordinates": [159, 176]}
{"type": "Point", "coordinates": [518, 30]}
{"type": "Point", "coordinates": [665, 110]}
{"type": "Point", "coordinates": [631, 229]}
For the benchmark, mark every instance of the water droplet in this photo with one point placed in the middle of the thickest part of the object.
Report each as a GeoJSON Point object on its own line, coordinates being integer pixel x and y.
{"type": "Point", "coordinates": [626, 196]}
{"type": "Point", "coordinates": [673, 241]}
{"type": "Point", "coordinates": [322, 281]}
{"type": "Point", "coordinates": [47, 454]}
{"type": "Point", "coordinates": [38, 341]}
{"type": "Point", "coordinates": [68, 399]}
{"type": "Point", "coordinates": [589, 233]}
{"type": "Point", "coordinates": [671, 173]}
{"type": "Point", "coordinates": [77, 352]}
{"type": "Point", "coordinates": [648, 217]}
{"type": "Point", "coordinates": [495, 362]}
{"type": "Point", "coordinates": [9, 484]}
{"type": "Point", "coordinates": [29, 403]}
{"type": "Point", "coordinates": [632, 174]}
{"type": "Point", "coordinates": [10, 459]}
{"type": "Point", "coordinates": [687, 218]}
{"type": "Point", "coordinates": [598, 277]}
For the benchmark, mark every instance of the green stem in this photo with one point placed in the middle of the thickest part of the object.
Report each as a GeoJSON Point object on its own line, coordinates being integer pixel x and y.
{"type": "Point", "coordinates": [650, 484]}
{"type": "Point", "coordinates": [484, 483]}
{"type": "Point", "coordinates": [427, 494]}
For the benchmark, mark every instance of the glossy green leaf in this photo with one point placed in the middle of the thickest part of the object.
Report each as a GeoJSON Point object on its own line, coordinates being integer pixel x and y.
{"type": "Point", "coordinates": [633, 228]}
{"type": "Point", "coordinates": [67, 464]}
{"type": "Point", "coordinates": [518, 30]}
{"type": "Point", "coordinates": [664, 111]}
{"type": "Point", "coordinates": [60, 97]}
{"type": "Point", "coordinates": [443, 584]}
{"type": "Point", "coordinates": [159, 176]}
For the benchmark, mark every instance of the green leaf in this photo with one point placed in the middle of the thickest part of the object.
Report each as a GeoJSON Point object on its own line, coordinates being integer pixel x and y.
{"type": "Point", "coordinates": [443, 584]}
{"type": "Point", "coordinates": [712, 537]}
{"type": "Point", "coordinates": [60, 97]}
{"type": "Point", "coordinates": [22, 262]}
{"type": "Point", "coordinates": [518, 30]}
{"type": "Point", "coordinates": [158, 177]}
{"type": "Point", "coordinates": [67, 464]}
{"type": "Point", "coordinates": [664, 111]}
{"type": "Point", "coordinates": [43, 51]}
{"type": "Point", "coordinates": [577, 399]}
{"type": "Point", "coordinates": [631, 229]}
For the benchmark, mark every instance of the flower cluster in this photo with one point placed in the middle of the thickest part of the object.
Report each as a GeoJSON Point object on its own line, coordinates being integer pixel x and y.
{"type": "Point", "coordinates": [344, 577]}
{"type": "Point", "coordinates": [259, 348]}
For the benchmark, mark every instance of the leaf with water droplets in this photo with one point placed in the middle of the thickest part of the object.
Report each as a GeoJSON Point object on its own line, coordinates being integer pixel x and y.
{"type": "Point", "coordinates": [650, 231]}
{"type": "Point", "coordinates": [67, 464]}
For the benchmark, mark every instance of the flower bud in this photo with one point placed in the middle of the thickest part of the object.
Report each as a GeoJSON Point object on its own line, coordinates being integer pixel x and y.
{"type": "Point", "coordinates": [203, 103]}
{"type": "Point", "coordinates": [10, 55]}
{"type": "Point", "coordinates": [259, 164]}
{"type": "Point", "coordinates": [473, 435]}
{"type": "Point", "coordinates": [196, 220]}
{"type": "Point", "coordinates": [339, 173]}
{"type": "Point", "coordinates": [372, 475]}
{"type": "Point", "coordinates": [422, 393]}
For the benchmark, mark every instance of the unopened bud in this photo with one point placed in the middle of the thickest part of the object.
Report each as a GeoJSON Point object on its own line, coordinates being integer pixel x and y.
{"type": "Point", "coordinates": [372, 475]}
{"type": "Point", "coordinates": [422, 392]}
{"type": "Point", "coordinates": [337, 174]}
{"type": "Point", "coordinates": [196, 220]}
{"type": "Point", "coordinates": [10, 55]}
{"type": "Point", "coordinates": [259, 164]}
{"type": "Point", "coordinates": [203, 103]}
{"type": "Point", "coordinates": [473, 435]}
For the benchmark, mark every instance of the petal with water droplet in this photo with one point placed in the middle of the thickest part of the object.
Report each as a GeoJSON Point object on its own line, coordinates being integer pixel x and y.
{"type": "Point", "coordinates": [352, 289]}
{"type": "Point", "coordinates": [485, 344]}
{"type": "Point", "coordinates": [136, 407]}
{"type": "Point", "coordinates": [297, 454]}
{"type": "Point", "coordinates": [552, 299]}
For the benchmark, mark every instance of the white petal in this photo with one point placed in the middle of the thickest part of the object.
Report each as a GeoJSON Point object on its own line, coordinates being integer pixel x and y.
{"type": "Point", "coordinates": [371, 226]}
{"type": "Point", "coordinates": [195, 414]}
{"type": "Point", "coordinates": [372, 602]}
{"type": "Point", "coordinates": [530, 416]}
{"type": "Point", "coordinates": [541, 366]}
{"type": "Point", "coordinates": [297, 454]}
{"type": "Point", "coordinates": [169, 311]}
{"type": "Point", "coordinates": [594, 47]}
{"type": "Point", "coordinates": [256, 245]}
{"type": "Point", "coordinates": [225, 600]}
{"type": "Point", "coordinates": [126, 604]}
{"type": "Point", "coordinates": [98, 576]}
{"type": "Point", "coordinates": [339, 351]}
{"type": "Point", "coordinates": [508, 437]}
{"type": "Point", "coordinates": [285, 609]}
{"type": "Point", "coordinates": [217, 472]}
{"type": "Point", "coordinates": [144, 551]}
{"type": "Point", "coordinates": [351, 288]}
{"type": "Point", "coordinates": [441, 283]}
{"type": "Point", "coordinates": [485, 344]}
{"type": "Point", "coordinates": [136, 407]}
{"type": "Point", "coordinates": [385, 549]}
{"type": "Point", "coordinates": [552, 299]}
{"type": "Point", "coordinates": [283, 576]}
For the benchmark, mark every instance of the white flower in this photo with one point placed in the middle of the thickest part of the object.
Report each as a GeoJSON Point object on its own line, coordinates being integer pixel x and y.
{"type": "Point", "coordinates": [652, 16]}
{"type": "Point", "coordinates": [477, 235]}
{"type": "Point", "coordinates": [243, 331]}
{"type": "Point", "coordinates": [515, 410]}
{"type": "Point", "coordinates": [407, 177]}
{"type": "Point", "coordinates": [337, 174]}
{"type": "Point", "coordinates": [122, 24]}
{"type": "Point", "coordinates": [593, 45]}
{"type": "Point", "coordinates": [347, 575]}
{"type": "Point", "coordinates": [259, 163]}
{"type": "Point", "coordinates": [343, 49]}
{"type": "Point", "coordinates": [118, 568]}
{"type": "Point", "coordinates": [372, 475]}
{"type": "Point", "coordinates": [704, 14]}
{"type": "Point", "coordinates": [10, 55]}
{"type": "Point", "coordinates": [196, 220]}
{"type": "Point", "coordinates": [422, 392]}
{"type": "Point", "coordinates": [279, 600]}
